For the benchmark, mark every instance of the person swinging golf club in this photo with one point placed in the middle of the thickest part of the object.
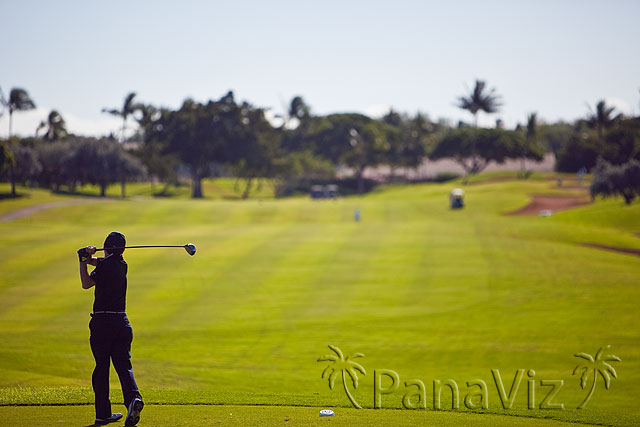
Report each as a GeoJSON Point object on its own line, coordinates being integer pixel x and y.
{"type": "Point", "coordinates": [111, 332]}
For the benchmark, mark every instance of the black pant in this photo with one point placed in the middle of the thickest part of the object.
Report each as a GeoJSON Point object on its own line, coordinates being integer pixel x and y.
{"type": "Point", "coordinates": [111, 337]}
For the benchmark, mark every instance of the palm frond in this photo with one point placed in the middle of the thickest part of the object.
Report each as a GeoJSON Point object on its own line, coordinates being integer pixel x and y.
{"type": "Point", "coordinates": [326, 370]}
{"type": "Point", "coordinates": [605, 375]}
{"type": "Point", "coordinates": [354, 376]}
{"type": "Point", "coordinates": [480, 99]}
{"type": "Point", "coordinates": [584, 377]}
{"type": "Point", "coordinates": [600, 351]}
{"type": "Point", "coordinates": [354, 356]}
{"type": "Point", "coordinates": [128, 105]}
{"type": "Point", "coordinates": [19, 100]}
{"type": "Point", "coordinates": [3, 100]}
{"type": "Point", "coordinates": [612, 358]}
{"type": "Point", "coordinates": [465, 103]}
{"type": "Point", "coordinates": [610, 369]}
{"type": "Point", "coordinates": [358, 367]}
{"type": "Point", "coordinates": [337, 351]}
{"type": "Point", "coordinates": [328, 358]}
{"type": "Point", "coordinates": [584, 356]}
{"type": "Point", "coordinates": [112, 111]}
{"type": "Point", "coordinates": [332, 379]}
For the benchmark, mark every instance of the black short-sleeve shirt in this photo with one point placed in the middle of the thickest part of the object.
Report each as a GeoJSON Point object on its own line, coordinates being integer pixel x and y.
{"type": "Point", "coordinates": [110, 276]}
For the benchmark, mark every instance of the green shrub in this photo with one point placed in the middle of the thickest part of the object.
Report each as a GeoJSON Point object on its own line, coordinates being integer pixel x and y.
{"type": "Point", "coordinates": [446, 176]}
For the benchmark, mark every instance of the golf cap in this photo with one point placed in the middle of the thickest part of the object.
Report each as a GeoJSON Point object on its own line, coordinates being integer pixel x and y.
{"type": "Point", "coordinates": [115, 239]}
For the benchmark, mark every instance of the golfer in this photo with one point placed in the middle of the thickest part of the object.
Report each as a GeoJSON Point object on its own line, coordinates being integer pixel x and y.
{"type": "Point", "coordinates": [111, 332]}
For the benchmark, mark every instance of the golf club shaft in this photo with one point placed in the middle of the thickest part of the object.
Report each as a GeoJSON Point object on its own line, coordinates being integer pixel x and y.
{"type": "Point", "coordinates": [144, 246]}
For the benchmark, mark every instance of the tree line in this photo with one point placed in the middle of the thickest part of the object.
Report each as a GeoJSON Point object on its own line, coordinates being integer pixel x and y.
{"type": "Point", "coordinates": [227, 137]}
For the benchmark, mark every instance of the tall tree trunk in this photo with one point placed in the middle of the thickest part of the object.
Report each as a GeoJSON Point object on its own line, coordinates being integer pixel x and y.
{"type": "Point", "coordinates": [628, 197]}
{"type": "Point", "coordinates": [361, 179]}
{"type": "Point", "coordinates": [103, 189]}
{"type": "Point", "coordinates": [196, 186]}
{"type": "Point", "coordinates": [122, 188]}
{"type": "Point", "coordinates": [12, 177]}
{"type": "Point", "coordinates": [601, 139]}
{"type": "Point", "coordinates": [247, 188]}
{"type": "Point", "coordinates": [13, 181]}
{"type": "Point", "coordinates": [473, 144]}
{"type": "Point", "coordinates": [593, 387]}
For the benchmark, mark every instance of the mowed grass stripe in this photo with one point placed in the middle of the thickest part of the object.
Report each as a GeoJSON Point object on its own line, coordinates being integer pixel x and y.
{"type": "Point", "coordinates": [54, 287]}
{"type": "Point", "coordinates": [30, 294]}
{"type": "Point", "coordinates": [59, 313]}
{"type": "Point", "coordinates": [210, 285]}
{"type": "Point", "coordinates": [212, 310]}
{"type": "Point", "coordinates": [271, 312]}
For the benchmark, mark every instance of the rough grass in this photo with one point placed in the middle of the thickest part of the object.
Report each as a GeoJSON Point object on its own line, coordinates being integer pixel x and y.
{"type": "Point", "coordinates": [425, 291]}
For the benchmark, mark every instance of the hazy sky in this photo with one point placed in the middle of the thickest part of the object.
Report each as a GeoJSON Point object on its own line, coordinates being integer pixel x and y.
{"type": "Point", "coordinates": [552, 57]}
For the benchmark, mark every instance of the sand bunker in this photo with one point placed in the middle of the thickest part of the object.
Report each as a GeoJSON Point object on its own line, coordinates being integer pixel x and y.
{"type": "Point", "coordinates": [550, 203]}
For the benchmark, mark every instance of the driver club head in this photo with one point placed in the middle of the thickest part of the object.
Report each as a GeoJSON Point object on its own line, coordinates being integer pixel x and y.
{"type": "Point", "coordinates": [190, 248]}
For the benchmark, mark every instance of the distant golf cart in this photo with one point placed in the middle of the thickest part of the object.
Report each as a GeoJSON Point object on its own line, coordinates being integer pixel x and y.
{"type": "Point", "coordinates": [456, 198]}
{"type": "Point", "coordinates": [324, 191]}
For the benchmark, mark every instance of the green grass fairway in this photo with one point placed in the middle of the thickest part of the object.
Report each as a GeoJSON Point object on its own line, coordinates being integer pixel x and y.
{"type": "Point", "coordinates": [430, 293]}
{"type": "Point", "coordinates": [214, 415]}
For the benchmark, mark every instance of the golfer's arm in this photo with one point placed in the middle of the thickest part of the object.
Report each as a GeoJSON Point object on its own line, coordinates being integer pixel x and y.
{"type": "Point", "coordinates": [87, 281]}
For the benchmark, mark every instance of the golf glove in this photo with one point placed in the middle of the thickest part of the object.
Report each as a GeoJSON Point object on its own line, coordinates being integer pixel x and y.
{"type": "Point", "coordinates": [83, 255]}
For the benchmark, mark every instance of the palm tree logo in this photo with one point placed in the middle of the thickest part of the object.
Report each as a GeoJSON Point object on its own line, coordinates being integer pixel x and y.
{"type": "Point", "coordinates": [338, 364]}
{"type": "Point", "coordinates": [595, 365]}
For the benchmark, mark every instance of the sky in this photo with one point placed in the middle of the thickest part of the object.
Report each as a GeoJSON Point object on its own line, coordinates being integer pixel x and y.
{"type": "Point", "coordinates": [555, 58]}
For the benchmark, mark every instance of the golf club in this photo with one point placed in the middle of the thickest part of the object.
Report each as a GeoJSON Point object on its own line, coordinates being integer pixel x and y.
{"type": "Point", "coordinates": [189, 247]}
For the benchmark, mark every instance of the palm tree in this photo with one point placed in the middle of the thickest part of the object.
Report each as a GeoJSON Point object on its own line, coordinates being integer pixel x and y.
{"type": "Point", "coordinates": [480, 99]}
{"type": "Point", "coordinates": [19, 100]}
{"type": "Point", "coordinates": [595, 365]}
{"type": "Point", "coordinates": [297, 109]}
{"type": "Point", "coordinates": [339, 364]}
{"type": "Point", "coordinates": [128, 108]}
{"type": "Point", "coordinates": [55, 126]}
{"type": "Point", "coordinates": [601, 119]}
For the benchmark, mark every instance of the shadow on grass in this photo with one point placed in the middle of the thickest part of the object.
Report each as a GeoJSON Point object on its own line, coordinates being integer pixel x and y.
{"type": "Point", "coordinates": [82, 194]}
{"type": "Point", "coordinates": [4, 196]}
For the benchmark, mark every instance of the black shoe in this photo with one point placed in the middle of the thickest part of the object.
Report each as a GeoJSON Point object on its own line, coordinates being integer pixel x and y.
{"type": "Point", "coordinates": [112, 419]}
{"type": "Point", "coordinates": [133, 412]}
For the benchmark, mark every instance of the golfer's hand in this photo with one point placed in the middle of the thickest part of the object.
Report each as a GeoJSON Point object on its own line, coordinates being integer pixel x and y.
{"type": "Point", "coordinates": [91, 250]}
